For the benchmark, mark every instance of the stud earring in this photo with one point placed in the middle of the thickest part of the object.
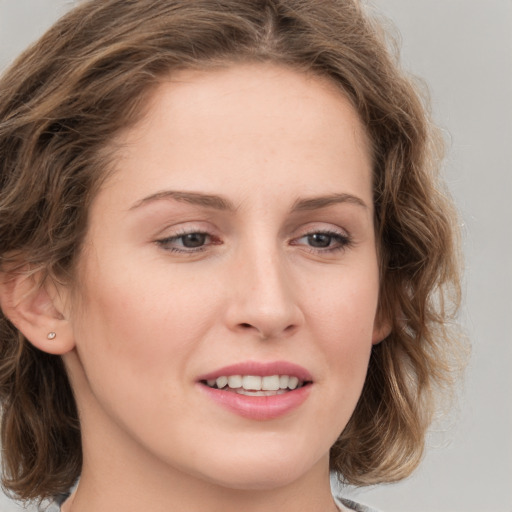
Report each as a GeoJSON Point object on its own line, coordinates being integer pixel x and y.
{"type": "Point", "coordinates": [51, 335]}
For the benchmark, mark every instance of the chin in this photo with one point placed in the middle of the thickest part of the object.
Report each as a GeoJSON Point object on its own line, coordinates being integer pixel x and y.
{"type": "Point", "coordinates": [259, 475]}
{"type": "Point", "coordinates": [256, 481]}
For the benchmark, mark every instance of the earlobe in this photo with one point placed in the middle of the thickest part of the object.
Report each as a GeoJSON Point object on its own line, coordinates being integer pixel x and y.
{"type": "Point", "coordinates": [381, 330]}
{"type": "Point", "coordinates": [31, 306]}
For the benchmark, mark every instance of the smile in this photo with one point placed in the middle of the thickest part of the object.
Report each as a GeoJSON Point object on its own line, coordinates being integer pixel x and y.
{"type": "Point", "coordinates": [258, 391]}
{"type": "Point", "coordinates": [255, 385]}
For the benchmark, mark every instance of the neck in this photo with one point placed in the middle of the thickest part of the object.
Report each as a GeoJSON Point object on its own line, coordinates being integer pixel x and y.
{"type": "Point", "coordinates": [100, 491]}
{"type": "Point", "coordinates": [120, 475]}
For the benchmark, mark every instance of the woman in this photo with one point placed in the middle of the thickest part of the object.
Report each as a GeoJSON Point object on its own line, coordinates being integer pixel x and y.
{"type": "Point", "coordinates": [227, 263]}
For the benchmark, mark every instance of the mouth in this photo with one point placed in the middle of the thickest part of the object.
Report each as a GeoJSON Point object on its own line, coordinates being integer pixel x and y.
{"type": "Point", "coordinates": [256, 385]}
{"type": "Point", "coordinates": [258, 390]}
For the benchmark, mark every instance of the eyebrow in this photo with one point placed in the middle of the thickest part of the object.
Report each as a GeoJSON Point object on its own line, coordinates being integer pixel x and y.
{"type": "Point", "coordinates": [195, 198]}
{"type": "Point", "coordinates": [316, 203]}
{"type": "Point", "coordinates": [217, 202]}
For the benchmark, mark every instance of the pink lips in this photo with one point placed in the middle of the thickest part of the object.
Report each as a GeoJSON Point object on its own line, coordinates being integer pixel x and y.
{"type": "Point", "coordinates": [259, 407]}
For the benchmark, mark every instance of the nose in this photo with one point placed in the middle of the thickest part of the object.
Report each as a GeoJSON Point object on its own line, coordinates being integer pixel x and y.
{"type": "Point", "coordinates": [264, 300]}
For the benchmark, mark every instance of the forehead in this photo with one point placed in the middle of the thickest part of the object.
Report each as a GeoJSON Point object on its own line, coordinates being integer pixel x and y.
{"type": "Point", "coordinates": [249, 121]}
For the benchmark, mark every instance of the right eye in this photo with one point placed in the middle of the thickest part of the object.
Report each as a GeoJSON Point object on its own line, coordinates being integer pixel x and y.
{"type": "Point", "coordinates": [324, 241]}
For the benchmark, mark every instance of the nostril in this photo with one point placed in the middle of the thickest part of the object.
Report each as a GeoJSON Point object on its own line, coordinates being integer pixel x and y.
{"type": "Point", "coordinates": [264, 333]}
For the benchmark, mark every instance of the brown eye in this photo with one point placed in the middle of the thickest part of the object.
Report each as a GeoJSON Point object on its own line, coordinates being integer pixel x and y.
{"type": "Point", "coordinates": [323, 242]}
{"type": "Point", "coordinates": [319, 240]}
{"type": "Point", "coordinates": [193, 240]}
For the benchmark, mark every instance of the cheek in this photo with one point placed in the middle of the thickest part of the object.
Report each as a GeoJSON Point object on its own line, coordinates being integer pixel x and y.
{"type": "Point", "coordinates": [344, 304]}
{"type": "Point", "coordinates": [141, 323]}
{"type": "Point", "coordinates": [136, 334]}
{"type": "Point", "coordinates": [341, 314]}
{"type": "Point", "coordinates": [340, 320]}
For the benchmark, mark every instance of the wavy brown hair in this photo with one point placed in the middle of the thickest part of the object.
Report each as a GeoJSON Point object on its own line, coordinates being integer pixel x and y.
{"type": "Point", "coordinates": [69, 94]}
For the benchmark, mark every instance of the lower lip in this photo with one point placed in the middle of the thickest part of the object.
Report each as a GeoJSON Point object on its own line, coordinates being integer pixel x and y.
{"type": "Point", "coordinates": [258, 407]}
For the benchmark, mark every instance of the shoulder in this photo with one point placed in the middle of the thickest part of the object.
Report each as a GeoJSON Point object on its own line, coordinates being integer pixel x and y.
{"type": "Point", "coordinates": [353, 506]}
{"type": "Point", "coordinates": [55, 504]}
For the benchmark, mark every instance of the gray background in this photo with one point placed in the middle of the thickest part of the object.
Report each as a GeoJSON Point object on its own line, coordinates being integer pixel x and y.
{"type": "Point", "coordinates": [463, 49]}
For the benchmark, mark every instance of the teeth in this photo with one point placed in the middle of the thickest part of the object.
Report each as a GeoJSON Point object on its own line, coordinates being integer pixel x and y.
{"type": "Point", "coordinates": [235, 381]}
{"type": "Point", "coordinates": [270, 383]}
{"type": "Point", "coordinates": [283, 381]}
{"type": "Point", "coordinates": [255, 383]}
{"type": "Point", "coordinates": [243, 391]}
{"type": "Point", "coordinates": [293, 382]}
{"type": "Point", "coordinates": [251, 382]}
{"type": "Point", "coordinates": [221, 382]}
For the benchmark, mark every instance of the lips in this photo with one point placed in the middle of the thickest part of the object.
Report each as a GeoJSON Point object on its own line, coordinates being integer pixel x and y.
{"type": "Point", "coordinates": [258, 391]}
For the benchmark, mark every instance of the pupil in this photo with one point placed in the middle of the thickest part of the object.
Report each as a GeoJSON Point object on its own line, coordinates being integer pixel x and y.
{"type": "Point", "coordinates": [194, 240]}
{"type": "Point", "coordinates": [319, 240]}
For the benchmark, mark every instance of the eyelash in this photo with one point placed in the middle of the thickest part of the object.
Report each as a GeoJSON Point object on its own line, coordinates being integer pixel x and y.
{"type": "Point", "coordinates": [164, 241]}
{"type": "Point", "coordinates": [343, 241]}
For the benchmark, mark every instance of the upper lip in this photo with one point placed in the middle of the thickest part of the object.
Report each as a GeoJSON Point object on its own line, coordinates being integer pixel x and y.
{"type": "Point", "coordinates": [262, 369]}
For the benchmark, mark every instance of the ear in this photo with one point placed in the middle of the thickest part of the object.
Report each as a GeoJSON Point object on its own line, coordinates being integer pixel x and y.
{"type": "Point", "coordinates": [381, 328]}
{"type": "Point", "coordinates": [37, 310]}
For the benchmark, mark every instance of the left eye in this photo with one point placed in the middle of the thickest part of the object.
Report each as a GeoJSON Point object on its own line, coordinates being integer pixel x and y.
{"type": "Point", "coordinates": [181, 243]}
{"type": "Point", "coordinates": [320, 240]}
{"type": "Point", "coordinates": [193, 240]}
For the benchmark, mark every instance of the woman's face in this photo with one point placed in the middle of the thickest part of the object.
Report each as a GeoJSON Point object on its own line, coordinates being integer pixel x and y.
{"type": "Point", "coordinates": [232, 248]}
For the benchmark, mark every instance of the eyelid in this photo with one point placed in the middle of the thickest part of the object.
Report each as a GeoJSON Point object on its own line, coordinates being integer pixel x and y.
{"type": "Point", "coordinates": [322, 227]}
{"type": "Point", "coordinates": [343, 238]}
{"type": "Point", "coordinates": [176, 232]}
